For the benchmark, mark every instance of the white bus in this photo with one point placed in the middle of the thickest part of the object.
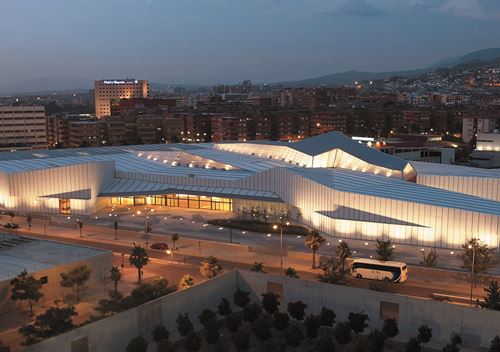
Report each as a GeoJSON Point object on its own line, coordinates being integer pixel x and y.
{"type": "Point", "coordinates": [378, 270]}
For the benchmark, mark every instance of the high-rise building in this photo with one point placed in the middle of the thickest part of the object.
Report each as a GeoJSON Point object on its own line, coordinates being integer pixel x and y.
{"type": "Point", "coordinates": [23, 127]}
{"type": "Point", "coordinates": [105, 91]}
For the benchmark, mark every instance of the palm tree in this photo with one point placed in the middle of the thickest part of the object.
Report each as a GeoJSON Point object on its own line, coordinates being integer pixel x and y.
{"type": "Point", "coordinates": [115, 275]}
{"type": "Point", "coordinates": [258, 267]}
{"type": "Point", "coordinates": [314, 241]}
{"type": "Point", "coordinates": [343, 251]}
{"type": "Point", "coordinates": [175, 238]}
{"type": "Point", "coordinates": [139, 258]}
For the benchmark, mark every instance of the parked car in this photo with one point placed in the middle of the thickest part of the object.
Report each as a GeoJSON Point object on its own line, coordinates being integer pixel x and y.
{"type": "Point", "coordinates": [162, 246]}
{"type": "Point", "coordinates": [11, 225]}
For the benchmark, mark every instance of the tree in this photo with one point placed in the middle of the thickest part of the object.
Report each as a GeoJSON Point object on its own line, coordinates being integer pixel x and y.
{"type": "Point", "coordinates": [280, 321]}
{"type": "Point", "coordinates": [175, 238]}
{"type": "Point", "coordinates": [297, 310]}
{"type": "Point", "coordinates": [53, 322]}
{"type": "Point", "coordinates": [115, 276]}
{"type": "Point", "coordinates": [312, 324]}
{"type": "Point", "coordinates": [342, 333]}
{"type": "Point", "coordinates": [251, 312]}
{"type": "Point", "coordinates": [210, 267]}
{"type": "Point", "coordinates": [481, 253]}
{"type": "Point", "coordinates": [192, 342]}
{"type": "Point", "coordinates": [137, 344]}
{"type": "Point", "coordinates": [270, 302]}
{"type": "Point", "coordinates": [495, 344]}
{"type": "Point", "coordinates": [331, 273]}
{"type": "Point", "coordinates": [275, 344]}
{"type": "Point", "coordinates": [224, 308]}
{"type": "Point", "coordinates": [184, 325]}
{"type": "Point", "coordinates": [384, 250]}
{"type": "Point", "coordinates": [261, 328]}
{"type": "Point", "coordinates": [292, 273]}
{"type": "Point", "coordinates": [241, 341]}
{"type": "Point", "coordinates": [358, 322]}
{"type": "Point", "coordinates": [186, 282]}
{"type": "Point", "coordinates": [492, 298]}
{"type": "Point", "coordinates": [241, 298]}
{"type": "Point", "coordinates": [293, 335]}
{"type": "Point", "coordinates": [390, 327]}
{"type": "Point", "coordinates": [76, 277]}
{"type": "Point", "coordinates": [160, 333]}
{"type": "Point", "coordinates": [413, 345]}
{"type": "Point", "coordinates": [148, 291]}
{"type": "Point", "coordinates": [314, 241]}
{"type": "Point", "coordinates": [207, 316]}
{"type": "Point", "coordinates": [431, 259]}
{"type": "Point", "coordinates": [325, 344]}
{"type": "Point", "coordinates": [376, 341]}
{"type": "Point", "coordinates": [26, 288]}
{"type": "Point", "coordinates": [232, 322]}
{"type": "Point", "coordinates": [343, 251]}
{"type": "Point", "coordinates": [327, 317]}
{"type": "Point", "coordinates": [139, 258]}
{"type": "Point", "coordinates": [453, 346]}
{"type": "Point", "coordinates": [424, 334]}
{"type": "Point", "coordinates": [258, 267]}
{"type": "Point", "coordinates": [113, 304]}
{"type": "Point", "coordinates": [212, 333]}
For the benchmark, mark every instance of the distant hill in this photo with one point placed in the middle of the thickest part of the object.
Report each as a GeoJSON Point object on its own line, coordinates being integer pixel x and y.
{"type": "Point", "coordinates": [47, 85]}
{"type": "Point", "coordinates": [349, 77]}
{"type": "Point", "coordinates": [483, 55]}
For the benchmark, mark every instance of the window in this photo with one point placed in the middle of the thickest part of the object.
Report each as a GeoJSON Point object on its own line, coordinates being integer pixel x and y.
{"type": "Point", "coordinates": [389, 310]}
{"type": "Point", "coordinates": [64, 206]}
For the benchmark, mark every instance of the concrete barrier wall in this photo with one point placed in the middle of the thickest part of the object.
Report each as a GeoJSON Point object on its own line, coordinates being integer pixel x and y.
{"type": "Point", "coordinates": [114, 333]}
{"type": "Point", "coordinates": [477, 327]}
{"type": "Point", "coordinates": [474, 325]}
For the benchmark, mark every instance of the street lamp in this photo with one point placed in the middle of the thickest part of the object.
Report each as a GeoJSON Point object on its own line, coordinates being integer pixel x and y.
{"type": "Point", "coordinates": [275, 227]}
{"type": "Point", "coordinates": [473, 247]}
{"type": "Point", "coordinates": [171, 253]}
{"type": "Point", "coordinates": [42, 200]}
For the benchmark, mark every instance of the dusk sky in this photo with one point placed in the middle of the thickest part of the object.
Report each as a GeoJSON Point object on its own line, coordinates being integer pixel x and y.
{"type": "Point", "coordinates": [211, 41]}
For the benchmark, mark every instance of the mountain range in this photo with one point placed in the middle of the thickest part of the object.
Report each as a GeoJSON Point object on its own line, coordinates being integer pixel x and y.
{"type": "Point", "coordinates": [60, 84]}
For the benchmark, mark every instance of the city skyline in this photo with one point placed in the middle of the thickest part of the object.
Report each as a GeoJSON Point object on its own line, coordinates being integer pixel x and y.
{"type": "Point", "coordinates": [226, 42]}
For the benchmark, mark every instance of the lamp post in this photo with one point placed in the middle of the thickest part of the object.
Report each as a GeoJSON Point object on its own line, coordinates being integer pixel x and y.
{"type": "Point", "coordinates": [171, 253]}
{"type": "Point", "coordinates": [473, 247]}
{"type": "Point", "coordinates": [230, 232]}
{"type": "Point", "coordinates": [42, 200]}
{"type": "Point", "coordinates": [275, 227]}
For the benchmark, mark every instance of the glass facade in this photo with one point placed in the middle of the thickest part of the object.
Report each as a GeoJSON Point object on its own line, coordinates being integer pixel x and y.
{"type": "Point", "coordinates": [179, 201]}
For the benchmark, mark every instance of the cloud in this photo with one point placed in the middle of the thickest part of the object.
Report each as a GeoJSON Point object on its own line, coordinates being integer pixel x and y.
{"type": "Point", "coordinates": [356, 8]}
{"type": "Point", "coordinates": [479, 9]}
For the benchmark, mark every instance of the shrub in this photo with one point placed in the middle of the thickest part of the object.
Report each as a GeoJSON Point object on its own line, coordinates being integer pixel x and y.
{"type": "Point", "coordinates": [165, 346]}
{"type": "Point", "coordinates": [293, 335]}
{"type": "Point", "coordinates": [212, 333]}
{"type": "Point", "coordinates": [137, 344]}
{"type": "Point", "coordinates": [241, 341]}
{"type": "Point", "coordinates": [312, 324]}
{"type": "Point", "coordinates": [224, 308]}
{"type": "Point", "coordinates": [281, 321]}
{"type": "Point", "coordinates": [327, 317]}
{"type": "Point", "coordinates": [273, 345]}
{"type": "Point", "coordinates": [325, 344]}
{"type": "Point", "coordinates": [424, 334]}
{"type": "Point", "coordinates": [192, 342]}
{"type": "Point", "coordinates": [160, 333]}
{"type": "Point", "coordinates": [413, 345]}
{"type": "Point", "coordinates": [291, 272]}
{"type": "Point", "coordinates": [270, 302]}
{"type": "Point", "coordinates": [251, 312]}
{"type": "Point", "coordinates": [240, 298]}
{"type": "Point", "coordinates": [495, 344]}
{"type": "Point", "coordinates": [358, 321]}
{"type": "Point", "coordinates": [184, 325]}
{"type": "Point", "coordinates": [390, 328]}
{"type": "Point", "coordinates": [207, 316]}
{"type": "Point", "coordinates": [297, 310]}
{"type": "Point", "coordinates": [376, 340]}
{"type": "Point", "coordinates": [342, 333]}
{"type": "Point", "coordinates": [261, 328]}
{"type": "Point", "coordinates": [233, 322]}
